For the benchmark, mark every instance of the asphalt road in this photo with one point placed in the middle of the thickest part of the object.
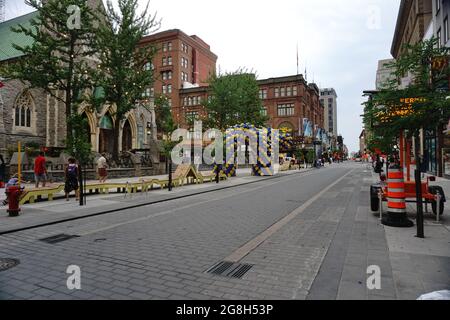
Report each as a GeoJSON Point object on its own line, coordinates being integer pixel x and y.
{"type": "Point", "coordinates": [282, 228]}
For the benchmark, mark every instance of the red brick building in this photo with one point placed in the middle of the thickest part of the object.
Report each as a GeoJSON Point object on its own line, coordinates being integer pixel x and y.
{"type": "Point", "coordinates": [286, 100]}
{"type": "Point", "coordinates": [183, 64]}
{"type": "Point", "coordinates": [180, 61]}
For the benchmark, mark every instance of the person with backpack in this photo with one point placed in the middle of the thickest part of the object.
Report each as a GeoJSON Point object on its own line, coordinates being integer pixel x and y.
{"type": "Point", "coordinates": [71, 175]}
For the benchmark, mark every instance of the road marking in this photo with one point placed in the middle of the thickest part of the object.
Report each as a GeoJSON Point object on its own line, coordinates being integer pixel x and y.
{"type": "Point", "coordinates": [243, 251]}
{"type": "Point", "coordinates": [189, 205]}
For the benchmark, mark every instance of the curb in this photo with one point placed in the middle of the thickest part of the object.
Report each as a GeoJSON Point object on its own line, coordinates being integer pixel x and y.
{"type": "Point", "coordinates": [145, 204]}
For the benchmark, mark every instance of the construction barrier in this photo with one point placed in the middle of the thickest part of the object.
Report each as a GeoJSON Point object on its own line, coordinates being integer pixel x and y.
{"type": "Point", "coordinates": [396, 196]}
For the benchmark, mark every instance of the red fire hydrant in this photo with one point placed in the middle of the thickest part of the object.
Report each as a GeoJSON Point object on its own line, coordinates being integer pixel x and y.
{"type": "Point", "coordinates": [13, 193]}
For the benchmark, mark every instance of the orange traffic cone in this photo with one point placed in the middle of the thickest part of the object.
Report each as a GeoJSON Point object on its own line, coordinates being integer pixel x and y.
{"type": "Point", "coordinates": [396, 216]}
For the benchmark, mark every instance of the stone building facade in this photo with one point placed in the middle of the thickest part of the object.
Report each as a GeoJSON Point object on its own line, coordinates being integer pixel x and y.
{"type": "Point", "coordinates": [33, 117]}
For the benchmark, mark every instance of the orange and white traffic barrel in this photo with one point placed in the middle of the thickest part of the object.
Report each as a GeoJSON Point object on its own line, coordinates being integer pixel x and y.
{"type": "Point", "coordinates": [396, 197]}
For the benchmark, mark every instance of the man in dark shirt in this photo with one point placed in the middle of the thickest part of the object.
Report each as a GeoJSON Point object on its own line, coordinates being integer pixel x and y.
{"type": "Point", "coordinates": [40, 170]}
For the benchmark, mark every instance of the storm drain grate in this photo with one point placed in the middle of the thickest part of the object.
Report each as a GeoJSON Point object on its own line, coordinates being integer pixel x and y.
{"type": "Point", "coordinates": [7, 263]}
{"type": "Point", "coordinates": [230, 269]}
{"type": "Point", "coordinates": [58, 238]}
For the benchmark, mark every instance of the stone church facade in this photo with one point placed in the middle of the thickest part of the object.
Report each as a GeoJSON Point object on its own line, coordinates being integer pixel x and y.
{"type": "Point", "coordinates": [31, 116]}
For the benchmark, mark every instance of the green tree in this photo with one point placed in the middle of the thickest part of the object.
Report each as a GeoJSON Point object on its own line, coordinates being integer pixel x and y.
{"type": "Point", "coordinates": [58, 60]}
{"type": "Point", "coordinates": [125, 70]}
{"type": "Point", "coordinates": [422, 104]}
{"type": "Point", "coordinates": [310, 156]}
{"type": "Point", "coordinates": [166, 125]}
{"type": "Point", "coordinates": [234, 99]}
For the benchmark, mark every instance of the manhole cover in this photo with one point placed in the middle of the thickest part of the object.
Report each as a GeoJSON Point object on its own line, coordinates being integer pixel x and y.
{"type": "Point", "coordinates": [6, 263]}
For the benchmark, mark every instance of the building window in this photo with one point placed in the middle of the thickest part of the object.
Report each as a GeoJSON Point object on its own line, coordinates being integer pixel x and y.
{"type": "Point", "coordinates": [184, 76]}
{"type": "Point", "coordinates": [169, 46]}
{"type": "Point", "coordinates": [184, 48]}
{"type": "Point", "coordinates": [146, 93]}
{"type": "Point", "coordinates": [169, 102]}
{"type": "Point", "coordinates": [184, 62]}
{"type": "Point", "coordinates": [263, 94]}
{"type": "Point", "coordinates": [289, 91]}
{"type": "Point", "coordinates": [285, 110]}
{"type": "Point", "coordinates": [191, 116]}
{"type": "Point", "coordinates": [294, 91]}
{"type": "Point", "coordinates": [167, 75]}
{"type": "Point", "coordinates": [264, 112]}
{"type": "Point", "coordinates": [23, 110]}
{"type": "Point", "coordinates": [277, 92]}
{"type": "Point", "coordinates": [446, 30]}
{"type": "Point", "coordinates": [169, 61]}
{"type": "Point", "coordinates": [148, 66]}
{"type": "Point", "coordinates": [283, 91]}
{"type": "Point", "coordinates": [164, 61]}
{"type": "Point", "coordinates": [439, 37]}
{"type": "Point", "coordinates": [169, 88]}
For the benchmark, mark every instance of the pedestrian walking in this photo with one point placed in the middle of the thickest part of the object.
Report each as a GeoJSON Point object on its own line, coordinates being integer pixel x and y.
{"type": "Point", "coordinates": [71, 175]}
{"type": "Point", "coordinates": [40, 170]}
{"type": "Point", "coordinates": [101, 168]}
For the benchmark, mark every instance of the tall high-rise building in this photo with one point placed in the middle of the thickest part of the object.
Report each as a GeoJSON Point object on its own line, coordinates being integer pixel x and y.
{"type": "Point", "coordinates": [328, 97]}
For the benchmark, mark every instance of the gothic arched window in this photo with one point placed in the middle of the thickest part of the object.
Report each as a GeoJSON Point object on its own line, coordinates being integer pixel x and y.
{"type": "Point", "coordinates": [23, 110]}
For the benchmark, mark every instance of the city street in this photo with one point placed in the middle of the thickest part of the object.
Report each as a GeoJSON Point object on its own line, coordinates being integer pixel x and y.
{"type": "Point", "coordinates": [304, 235]}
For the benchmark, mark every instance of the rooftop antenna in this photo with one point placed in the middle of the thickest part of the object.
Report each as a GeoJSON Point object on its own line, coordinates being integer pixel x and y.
{"type": "Point", "coordinates": [2, 11]}
{"type": "Point", "coordinates": [297, 60]}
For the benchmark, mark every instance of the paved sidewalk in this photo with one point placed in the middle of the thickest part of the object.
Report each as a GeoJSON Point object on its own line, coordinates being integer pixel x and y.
{"type": "Point", "coordinates": [306, 236]}
{"type": "Point", "coordinates": [58, 210]}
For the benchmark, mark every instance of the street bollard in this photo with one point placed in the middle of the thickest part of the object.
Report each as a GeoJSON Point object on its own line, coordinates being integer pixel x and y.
{"type": "Point", "coordinates": [126, 190]}
{"type": "Point", "coordinates": [380, 198]}
{"type": "Point", "coordinates": [438, 205]}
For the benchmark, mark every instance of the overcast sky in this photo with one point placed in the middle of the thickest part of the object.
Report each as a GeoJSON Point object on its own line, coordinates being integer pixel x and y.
{"type": "Point", "coordinates": [339, 41]}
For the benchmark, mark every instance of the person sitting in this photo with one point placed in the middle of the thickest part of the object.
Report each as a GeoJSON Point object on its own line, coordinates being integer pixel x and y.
{"type": "Point", "coordinates": [13, 181]}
